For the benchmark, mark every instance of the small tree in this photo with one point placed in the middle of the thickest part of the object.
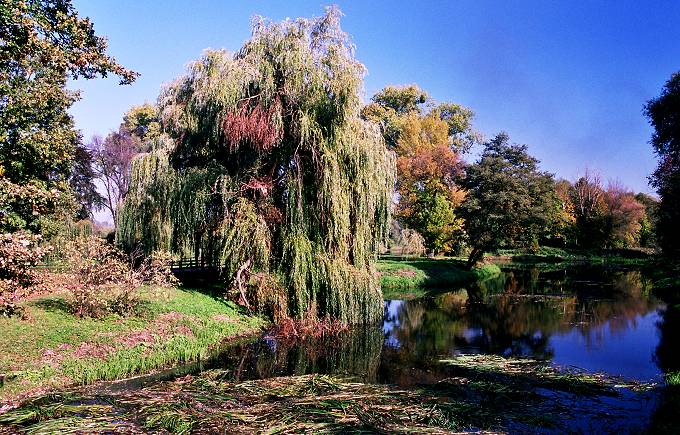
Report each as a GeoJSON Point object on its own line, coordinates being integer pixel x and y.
{"type": "Point", "coordinates": [19, 252]}
{"type": "Point", "coordinates": [509, 201]}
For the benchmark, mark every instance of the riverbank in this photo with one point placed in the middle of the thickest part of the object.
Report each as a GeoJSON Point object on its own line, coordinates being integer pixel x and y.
{"type": "Point", "coordinates": [418, 274]}
{"type": "Point", "coordinates": [479, 393]}
{"type": "Point", "coordinates": [410, 277]}
{"type": "Point", "coordinates": [564, 256]}
{"type": "Point", "coordinates": [50, 348]}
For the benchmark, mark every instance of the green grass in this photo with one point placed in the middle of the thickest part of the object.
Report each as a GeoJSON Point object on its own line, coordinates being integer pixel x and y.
{"type": "Point", "coordinates": [417, 274]}
{"type": "Point", "coordinates": [673, 379]}
{"type": "Point", "coordinates": [46, 351]}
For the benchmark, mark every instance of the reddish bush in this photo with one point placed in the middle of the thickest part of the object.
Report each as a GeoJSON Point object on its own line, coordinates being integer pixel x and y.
{"type": "Point", "coordinates": [106, 279]}
{"type": "Point", "coordinates": [155, 270]}
{"type": "Point", "coordinates": [19, 253]}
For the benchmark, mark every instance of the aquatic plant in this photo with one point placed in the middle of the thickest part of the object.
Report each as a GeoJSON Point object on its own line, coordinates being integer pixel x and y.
{"type": "Point", "coordinates": [270, 169]}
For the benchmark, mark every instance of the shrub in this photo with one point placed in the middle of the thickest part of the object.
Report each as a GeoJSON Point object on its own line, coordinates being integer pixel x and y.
{"type": "Point", "coordinates": [155, 270]}
{"type": "Point", "coordinates": [19, 252]}
{"type": "Point", "coordinates": [104, 280]}
{"type": "Point", "coordinates": [413, 243]}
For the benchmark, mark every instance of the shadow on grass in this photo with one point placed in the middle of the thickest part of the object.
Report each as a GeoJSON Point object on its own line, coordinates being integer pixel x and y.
{"type": "Point", "coordinates": [218, 293]}
{"type": "Point", "coordinates": [404, 273]}
{"type": "Point", "coordinates": [208, 282]}
{"type": "Point", "coordinates": [52, 305]}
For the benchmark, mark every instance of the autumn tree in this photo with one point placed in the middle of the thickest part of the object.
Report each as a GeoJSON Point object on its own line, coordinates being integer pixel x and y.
{"type": "Point", "coordinates": [112, 160]}
{"type": "Point", "coordinates": [270, 175]}
{"type": "Point", "coordinates": [625, 215]}
{"type": "Point", "coordinates": [43, 43]}
{"type": "Point", "coordinates": [663, 113]}
{"type": "Point", "coordinates": [563, 230]}
{"type": "Point", "coordinates": [428, 140]}
{"type": "Point", "coordinates": [590, 209]}
{"type": "Point", "coordinates": [509, 201]}
{"type": "Point", "coordinates": [592, 216]}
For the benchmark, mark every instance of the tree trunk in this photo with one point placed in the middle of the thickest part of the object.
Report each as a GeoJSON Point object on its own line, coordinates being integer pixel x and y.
{"type": "Point", "coordinates": [241, 275]}
{"type": "Point", "coordinates": [476, 255]}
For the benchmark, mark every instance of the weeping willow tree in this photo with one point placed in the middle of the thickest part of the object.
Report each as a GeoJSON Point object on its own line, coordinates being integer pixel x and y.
{"type": "Point", "coordinates": [270, 174]}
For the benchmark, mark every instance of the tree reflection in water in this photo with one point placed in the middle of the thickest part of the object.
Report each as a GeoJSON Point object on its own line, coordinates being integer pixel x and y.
{"type": "Point", "coordinates": [516, 314]}
{"type": "Point", "coordinates": [356, 352]}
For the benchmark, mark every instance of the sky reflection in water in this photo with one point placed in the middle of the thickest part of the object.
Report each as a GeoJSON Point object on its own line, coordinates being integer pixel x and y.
{"type": "Point", "coordinates": [598, 320]}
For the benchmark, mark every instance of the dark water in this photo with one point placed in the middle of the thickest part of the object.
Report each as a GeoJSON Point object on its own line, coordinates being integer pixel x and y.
{"type": "Point", "coordinates": [592, 319]}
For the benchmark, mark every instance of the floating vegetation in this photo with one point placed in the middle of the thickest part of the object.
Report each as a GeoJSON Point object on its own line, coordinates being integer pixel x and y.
{"type": "Point", "coordinates": [481, 393]}
{"type": "Point", "coordinates": [526, 373]}
{"type": "Point", "coordinates": [269, 169]}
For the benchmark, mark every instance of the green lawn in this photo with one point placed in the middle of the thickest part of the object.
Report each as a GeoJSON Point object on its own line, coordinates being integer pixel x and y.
{"type": "Point", "coordinates": [545, 254]}
{"type": "Point", "coordinates": [417, 274]}
{"type": "Point", "coordinates": [53, 348]}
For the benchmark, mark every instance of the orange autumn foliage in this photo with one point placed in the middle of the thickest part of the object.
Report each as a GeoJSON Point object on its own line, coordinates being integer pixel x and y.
{"type": "Point", "coordinates": [427, 168]}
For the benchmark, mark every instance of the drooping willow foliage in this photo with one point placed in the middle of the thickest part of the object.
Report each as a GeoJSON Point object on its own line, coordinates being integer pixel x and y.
{"type": "Point", "coordinates": [270, 169]}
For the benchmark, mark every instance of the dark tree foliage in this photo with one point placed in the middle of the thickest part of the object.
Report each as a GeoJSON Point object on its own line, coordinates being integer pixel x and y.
{"type": "Point", "coordinates": [82, 184]}
{"type": "Point", "coordinates": [509, 201]}
{"type": "Point", "coordinates": [663, 113]}
{"type": "Point", "coordinates": [43, 43]}
{"type": "Point", "coordinates": [593, 226]}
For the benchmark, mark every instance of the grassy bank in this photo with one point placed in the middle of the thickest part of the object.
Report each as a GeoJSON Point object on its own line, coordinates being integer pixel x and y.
{"type": "Point", "coordinates": [548, 255]}
{"type": "Point", "coordinates": [479, 393]}
{"type": "Point", "coordinates": [52, 348]}
{"type": "Point", "coordinates": [420, 273]}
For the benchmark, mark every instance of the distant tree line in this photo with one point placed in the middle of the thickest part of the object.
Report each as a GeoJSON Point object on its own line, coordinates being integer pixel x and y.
{"type": "Point", "coordinates": [501, 201]}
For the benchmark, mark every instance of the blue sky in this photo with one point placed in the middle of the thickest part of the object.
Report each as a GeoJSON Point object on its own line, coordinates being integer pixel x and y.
{"type": "Point", "coordinates": [569, 78]}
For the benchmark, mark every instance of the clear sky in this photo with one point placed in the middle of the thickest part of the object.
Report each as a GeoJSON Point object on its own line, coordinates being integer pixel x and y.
{"type": "Point", "coordinates": [567, 78]}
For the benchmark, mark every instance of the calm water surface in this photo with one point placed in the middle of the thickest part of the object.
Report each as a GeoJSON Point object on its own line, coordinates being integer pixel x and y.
{"type": "Point", "coordinates": [592, 319]}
